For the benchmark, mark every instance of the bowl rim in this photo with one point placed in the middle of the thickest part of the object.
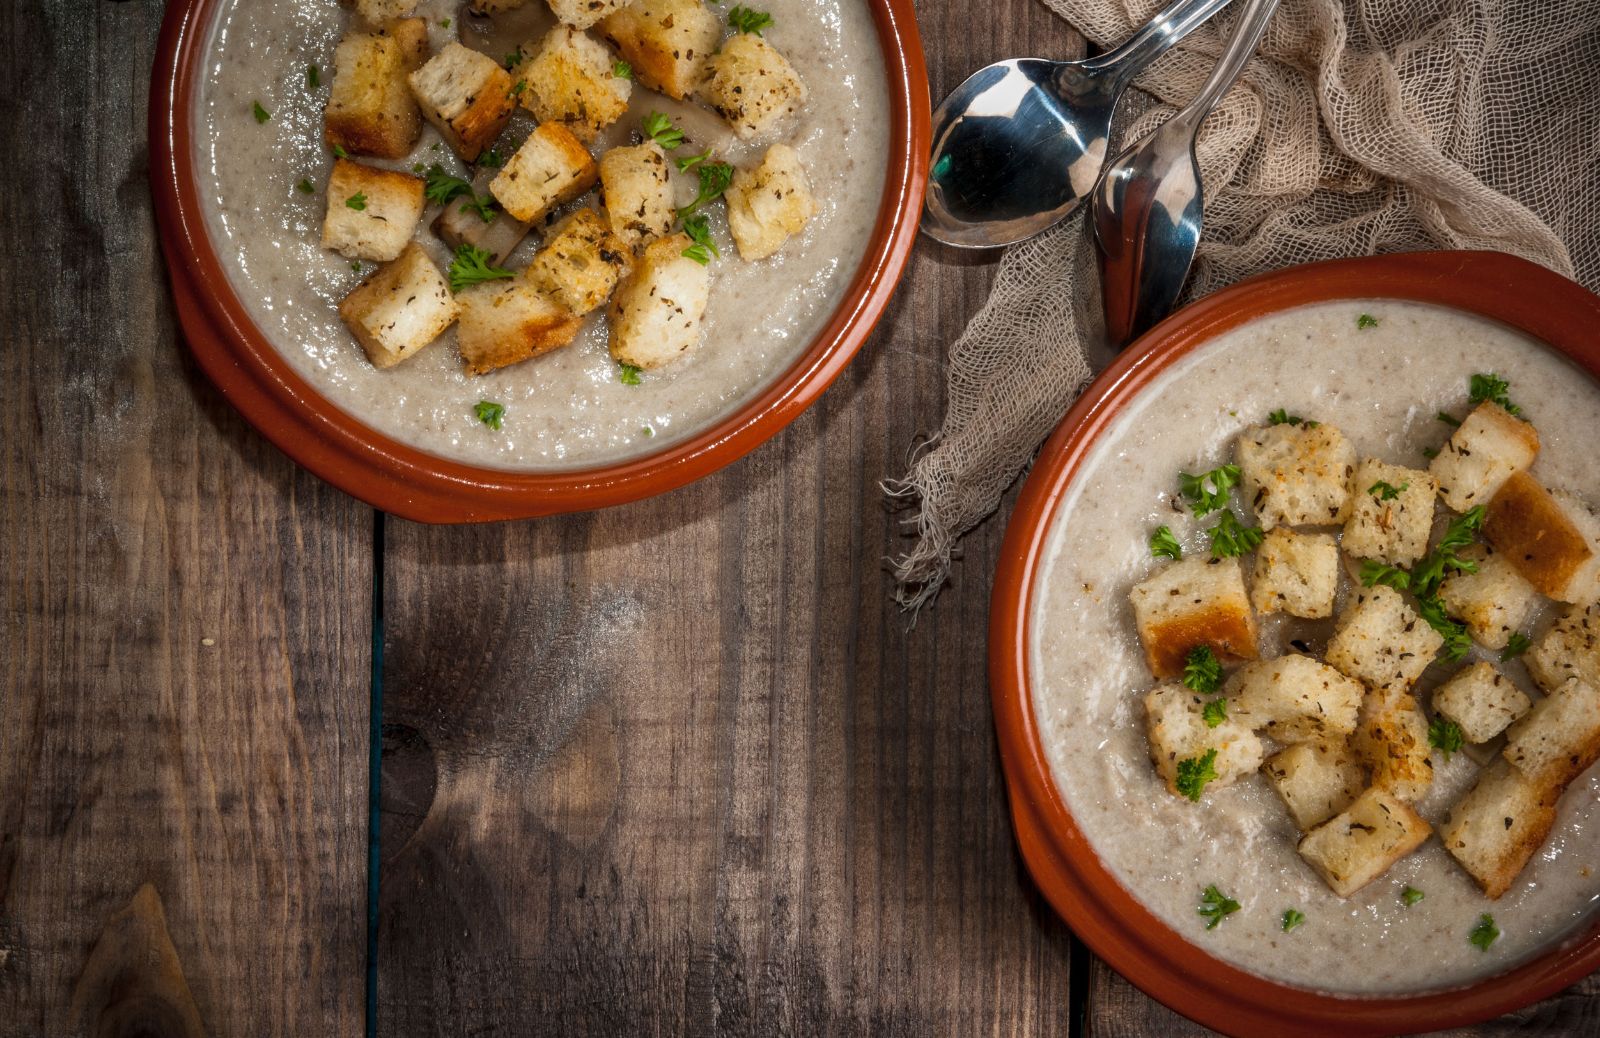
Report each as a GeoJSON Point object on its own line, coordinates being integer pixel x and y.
{"type": "Point", "coordinates": [1121, 930]}
{"type": "Point", "coordinates": [414, 484]}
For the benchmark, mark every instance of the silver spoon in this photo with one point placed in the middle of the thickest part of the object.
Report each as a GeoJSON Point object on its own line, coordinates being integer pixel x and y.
{"type": "Point", "coordinates": [1149, 207]}
{"type": "Point", "coordinates": [1019, 144]}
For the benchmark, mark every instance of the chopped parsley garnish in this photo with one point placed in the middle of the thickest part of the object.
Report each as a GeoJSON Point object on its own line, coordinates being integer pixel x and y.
{"type": "Point", "coordinates": [1230, 538]}
{"type": "Point", "coordinates": [659, 128]}
{"type": "Point", "coordinates": [1282, 417]}
{"type": "Point", "coordinates": [1430, 452]}
{"type": "Point", "coordinates": [1492, 387]}
{"type": "Point", "coordinates": [621, 69]}
{"type": "Point", "coordinates": [743, 19]}
{"type": "Point", "coordinates": [355, 265]}
{"type": "Point", "coordinates": [306, 186]}
{"type": "Point", "coordinates": [444, 23]}
{"type": "Point", "coordinates": [1444, 735]}
{"type": "Point", "coordinates": [1214, 712]}
{"type": "Point", "coordinates": [489, 413]}
{"type": "Point", "coordinates": [1516, 645]}
{"type": "Point", "coordinates": [1292, 917]}
{"type": "Point", "coordinates": [1366, 321]}
{"type": "Point", "coordinates": [339, 152]}
{"type": "Point", "coordinates": [1448, 419]}
{"type": "Point", "coordinates": [261, 114]}
{"type": "Point", "coordinates": [492, 158]}
{"type": "Point", "coordinates": [648, 431]}
{"type": "Point", "coordinates": [1411, 895]}
{"type": "Point", "coordinates": [1485, 933]}
{"type": "Point", "coordinates": [714, 180]}
{"type": "Point", "coordinates": [627, 374]}
{"type": "Point", "coordinates": [357, 201]}
{"type": "Point", "coordinates": [313, 77]}
{"type": "Point", "coordinates": [440, 187]}
{"type": "Point", "coordinates": [1457, 643]}
{"type": "Point", "coordinates": [1201, 670]}
{"type": "Point", "coordinates": [1374, 573]}
{"type": "Point", "coordinates": [471, 267]}
{"type": "Point", "coordinates": [1388, 491]}
{"type": "Point", "coordinates": [689, 162]}
{"type": "Point", "coordinates": [1163, 545]}
{"type": "Point", "coordinates": [1214, 905]}
{"type": "Point", "coordinates": [518, 87]}
{"type": "Point", "coordinates": [1427, 575]}
{"type": "Point", "coordinates": [699, 231]}
{"type": "Point", "coordinates": [513, 59]}
{"type": "Point", "coordinates": [1194, 773]}
{"type": "Point", "coordinates": [1208, 491]}
{"type": "Point", "coordinates": [483, 205]}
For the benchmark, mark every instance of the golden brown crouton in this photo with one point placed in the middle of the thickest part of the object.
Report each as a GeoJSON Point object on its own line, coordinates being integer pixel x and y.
{"type": "Point", "coordinates": [1296, 475]}
{"type": "Point", "coordinates": [769, 204]}
{"type": "Point", "coordinates": [1176, 726]}
{"type": "Point", "coordinates": [1316, 780]}
{"type": "Point", "coordinates": [1481, 701]}
{"type": "Point", "coordinates": [1294, 698]}
{"type": "Point", "coordinates": [570, 80]}
{"type": "Point", "coordinates": [1392, 741]}
{"type": "Point", "coordinates": [584, 13]}
{"type": "Point", "coordinates": [1391, 513]}
{"type": "Point", "coordinates": [1358, 845]}
{"type": "Point", "coordinates": [1190, 603]}
{"type": "Point", "coordinates": [1494, 601]}
{"type": "Point", "coordinates": [666, 41]}
{"type": "Point", "coordinates": [1381, 641]}
{"type": "Point", "coordinates": [552, 167]}
{"type": "Point", "coordinates": [376, 12]}
{"type": "Point", "coordinates": [581, 262]}
{"type": "Point", "coordinates": [1297, 573]}
{"type": "Point", "coordinates": [1498, 825]}
{"type": "Point", "coordinates": [1569, 649]}
{"type": "Point", "coordinates": [400, 308]}
{"type": "Point", "coordinates": [1488, 448]}
{"type": "Point", "coordinates": [636, 192]}
{"type": "Point", "coordinates": [505, 322]}
{"type": "Point", "coordinates": [466, 95]}
{"type": "Point", "coordinates": [372, 212]}
{"type": "Point", "coordinates": [1540, 537]}
{"type": "Point", "coordinates": [370, 110]}
{"type": "Point", "coordinates": [658, 311]}
{"type": "Point", "coordinates": [752, 85]}
{"type": "Point", "coordinates": [1559, 738]}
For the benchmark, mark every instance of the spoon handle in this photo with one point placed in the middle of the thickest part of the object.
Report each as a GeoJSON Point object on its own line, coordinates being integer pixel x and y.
{"type": "Point", "coordinates": [1158, 36]}
{"type": "Point", "coordinates": [1252, 26]}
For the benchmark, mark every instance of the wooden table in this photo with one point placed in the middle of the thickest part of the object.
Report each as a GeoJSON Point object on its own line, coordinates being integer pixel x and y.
{"type": "Point", "coordinates": [674, 768]}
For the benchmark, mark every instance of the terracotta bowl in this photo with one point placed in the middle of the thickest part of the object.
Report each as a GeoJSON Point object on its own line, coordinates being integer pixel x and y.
{"type": "Point", "coordinates": [1121, 930]}
{"type": "Point", "coordinates": [412, 483]}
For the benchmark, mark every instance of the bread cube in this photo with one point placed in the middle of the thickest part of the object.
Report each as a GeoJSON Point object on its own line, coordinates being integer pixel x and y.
{"type": "Point", "coordinates": [1193, 602]}
{"type": "Point", "coordinates": [466, 95]}
{"type": "Point", "coordinates": [1382, 641]}
{"type": "Point", "coordinates": [1498, 825]}
{"type": "Point", "coordinates": [581, 262]}
{"type": "Point", "coordinates": [1569, 649]}
{"type": "Point", "coordinates": [1494, 602]}
{"type": "Point", "coordinates": [1549, 540]}
{"type": "Point", "coordinates": [376, 12]}
{"type": "Point", "coordinates": [551, 168]}
{"type": "Point", "coordinates": [1177, 730]}
{"type": "Point", "coordinates": [370, 110]}
{"type": "Point", "coordinates": [1484, 451]}
{"type": "Point", "coordinates": [752, 85]}
{"type": "Point", "coordinates": [1296, 475]}
{"type": "Point", "coordinates": [1559, 738]}
{"type": "Point", "coordinates": [666, 41]}
{"type": "Point", "coordinates": [1480, 701]}
{"type": "Point", "coordinates": [372, 212]}
{"type": "Point", "coordinates": [1358, 845]}
{"type": "Point", "coordinates": [494, 7]}
{"type": "Point", "coordinates": [582, 13]}
{"type": "Point", "coordinates": [570, 81]}
{"type": "Point", "coordinates": [505, 322]}
{"type": "Point", "coordinates": [1294, 698]}
{"type": "Point", "coordinates": [1391, 513]}
{"type": "Point", "coordinates": [1392, 741]}
{"type": "Point", "coordinates": [1297, 573]}
{"type": "Point", "coordinates": [769, 204]}
{"type": "Point", "coordinates": [658, 311]}
{"type": "Point", "coordinates": [404, 305]}
{"type": "Point", "coordinates": [636, 192]}
{"type": "Point", "coordinates": [1316, 780]}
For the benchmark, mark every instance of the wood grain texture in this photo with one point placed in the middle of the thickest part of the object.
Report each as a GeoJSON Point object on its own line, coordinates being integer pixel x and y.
{"type": "Point", "coordinates": [185, 637]}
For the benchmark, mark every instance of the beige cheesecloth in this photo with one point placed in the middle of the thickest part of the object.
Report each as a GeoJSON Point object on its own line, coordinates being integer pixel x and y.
{"type": "Point", "coordinates": [1361, 126]}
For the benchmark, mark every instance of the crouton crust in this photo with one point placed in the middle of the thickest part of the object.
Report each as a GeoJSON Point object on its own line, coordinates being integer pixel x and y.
{"type": "Point", "coordinates": [1494, 601]}
{"type": "Point", "coordinates": [1488, 447]}
{"type": "Point", "coordinates": [1532, 530]}
{"type": "Point", "coordinates": [506, 322]}
{"type": "Point", "coordinates": [636, 192]}
{"type": "Point", "coordinates": [1392, 524]}
{"type": "Point", "coordinates": [570, 81]}
{"type": "Point", "coordinates": [466, 95]}
{"type": "Point", "coordinates": [1359, 844]}
{"type": "Point", "coordinates": [769, 204]}
{"type": "Point", "coordinates": [391, 205]}
{"type": "Point", "coordinates": [581, 262]}
{"type": "Point", "coordinates": [1315, 780]}
{"type": "Point", "coordinates": [658, 311]}
{"type": "Point", "coordinates": [1559, 738]}
{"type": "Point", "coordinates": [1497, 826]}
{"type": "Point", "coordinates": [1190, 603]}
{"type": "Point", "coordinates": [1297, 573]}
{"type": "Point", "coordinates": [1481, 701]}
{"type": "Point", "coordinates": [1176, 729]}
{"type": "Point", "coordinates": [1392, 741]}
{"type": "Point", "coordinates": [1381, 640]}
{"type": "Point", "coordinates": [1296, 475]}
{"type": "Point", "coordinates": [579, 13]}
{"type": "Point", "coordinates": [400, 308]}
{"type": "Point", "coordinates": [752, 85]}
{"type": "Point", "coordinates": [1295, 698]}
{"type": "Point", "coordinates": [370, 111]}
{"type": "Point", "coordinates": [1569, 649]}
{"type": "Point", "coordinates": [666, 41]}
{"type": "Point", "coordinates": [551, 168]}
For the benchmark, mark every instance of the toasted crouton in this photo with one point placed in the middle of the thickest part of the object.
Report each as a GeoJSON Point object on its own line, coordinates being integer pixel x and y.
{"type": "Point", "coordinates": [571, 81]}
{"type": "Point", "coordinates": [1549, 540]}
{"type": "Point", "coordinates": [1494, 602]}
{"type": "Point", "coordinates": [769, 204]}
{"type": "Point", "coordinates": [752, 85]}
{"type": "Point", "coordinates": [581, 262]}
{"type": "Point", "coordinates": [376, 12]}
{"type": "Point", "coordinates": [1296, 475]}
{"type": "Point", "coordinates": [636, 192]}
{"type": "Point", "coordinates": [1391, 513]}
{"type": "Point", "coordinates": [1480, 701]}
{"type": "Point", "coordinates": [1559, 738]}
{"type": "Point", "coordinates": [1497, 826]}
{"type": "Point", "coordinates": [1316, 780]}
{"type": "Point", "coordinates": [666, 41]}
{"type": "Point", "coordinates": [372, 212]}
{"type": "Point", "coordinates": [467, 95]}
{"type": "Point", "coordinates": [370, 110]}
{"type": "Point", "coordinates": [1569, 649]}
{"type": "Point", "coordinates": [1482, 454]}
{"type": "Point", "coordinates": [1295, 698]}
{"type": "Point", "coordinates": [1190, 603]}
{"type": "Point", "coordinates": [401, 308]}
{"type": "Point", "coordinates": [505, 322]}
{"type": "Point", "coordinates": [1358, 845]}
{"type": "Point", "coordinates": [1392, 741]}
{"type": "Point", "coordinates": [1382, 641]}
{"type": "Point", "coordinates": [658, 311]}
{"type": "Point", "coordinates": [1297, 573]}
{"type": "Point", "coordinates": [1178, 732]}
{"type": "Point", "coordinates": [551, 168]}
{"type": "Point", "coordinates": [584, 13]}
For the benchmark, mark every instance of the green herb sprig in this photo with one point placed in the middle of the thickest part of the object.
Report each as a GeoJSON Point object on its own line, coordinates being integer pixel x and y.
{"type": "Point", "coordinates": [1194, 773]}
{"type": "Point", "coordinates": [1163, 545]}
{"type": "Point", "coordinates": [1215, 906]}
{"type": "Point", "coordinates": [1208, 491]}
{"type": "Point", "coordinates": [471, 267]}
{"type": "Point", "coordinates": [743, 19]}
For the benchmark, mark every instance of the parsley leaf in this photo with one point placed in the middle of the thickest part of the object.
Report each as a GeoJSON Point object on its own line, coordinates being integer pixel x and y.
{"type": "Point", "coordinates": [1411, 895]}
{"type": "Point", "coordinates": [1230, 538]}
{"type": "Point", "coordinates": [1516, 645]}
{"type": "Point", "coordinates": [306, 186]}
{"type": "Point", "coordinates": [1208, 491]}
{"type": "Point", "coordinates": [1444, 735]}
{"type": "Point", "coordinates": [1427, 575]}
{"type": "Point", "coordinates": [313, 77]}
{"type": "Point", "coordinates": [621, 69]}
{"type": "Point", "coordinates": [1448, 419]}
{"type": "Point", "coordinates": [1388, 491]}
{"type": "Point", "coordinates": [355, 265]}
{"type": "Point", "coordinates": [1163, 545]}
{"type": "Point", "coordinates": [1456, 640]}
{"type": "Point", "coordinates": [492, 158]}
{"type": "Point", "coordinates": [489, 413]}
{"type": "Point", "coordinates": [1201, 670]}
{"type": "Point", "coordinates": [471, 267]}
{"type": "Point", "coordinates": [1373, 573]}
{"type": "Point", "coordinates": [1430, 452]}
{"type": "Point", "coordinates": [1282, 417]}
{"type": "Point", "coordinates": [1485, 933]}
{"type": "Point", "coordinates": [444, 23]}
{"type": "Point", "coordinates": [691, 161]}
{"type": "Point", "coordinates": [1366, 321]}
{"type": "Point", "coordinates": [261, 114]}
{"type": "Point", "coordinates": [1492, 387]}
{"type": "Point", "coordinates": [627, 374]}
{"type": "Point", "coordinates": [1214, 905]}
{"type": "Point", "coordinates": [659, 128]}
{"type": "Point", "coordinates": [699, 231]}
{"type": "Point", "coordinates": [1292, 917]}
{"type": "Point", "coordinates": [357, 201]}
{"type": "Point", "coordinates": [513, 59]}
{"type": "Point", "coordinates": [743, 19]}
{"type": "Point", "coordinates": [1214, 712]}
{"type": "Point", "coordinates": [518, 87]}
{"type": "Point", "coordinates": [340, 153]}
{"type": "Point", "coordinates": [1194, 773]}
{"type": "Point", "coordinates": [483, 205]}
{"type": "Point", "coordinates": [440, 187]}
{"type": "Point", "coordinates": [714, 180]}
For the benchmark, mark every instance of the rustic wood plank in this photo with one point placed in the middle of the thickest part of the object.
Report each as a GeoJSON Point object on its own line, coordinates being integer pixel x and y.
{"type": "Point", "coordinates": [186, 616]}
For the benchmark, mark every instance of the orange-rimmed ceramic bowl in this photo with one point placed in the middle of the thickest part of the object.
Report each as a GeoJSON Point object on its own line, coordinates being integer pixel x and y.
{"type": "Point", "coordinates": [1104, 914]}
{"type": "Point", "coordinates": [417, 485]}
